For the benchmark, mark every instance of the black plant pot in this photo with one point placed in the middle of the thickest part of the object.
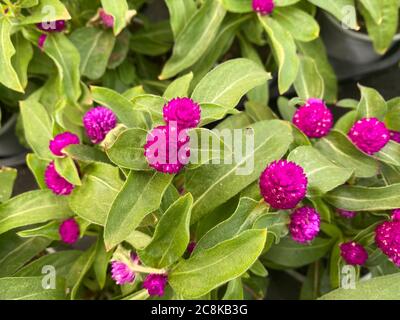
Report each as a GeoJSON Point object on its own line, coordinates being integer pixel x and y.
{"type": "Point", "coordinates": [11, 152]}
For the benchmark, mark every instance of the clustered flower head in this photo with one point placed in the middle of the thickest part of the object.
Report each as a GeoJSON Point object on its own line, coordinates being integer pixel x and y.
{"type": "Point", "coordinates": [121, 273]}
{"type": "Point", "coordinates": [314, 119]}
{"type": "Point", "coordinates": [98, 122]}
{"type": "Point", "coordinates": [263, 7]}
{"type": "Point", "coordinates": [184, 111]}
{"type": "Point", "coordinates": [62, 141]}
{"type": "Point", "coordinates": [370, 135]}
{"type": "Point", "coordinates": [69, 231]}
{"type": "Point", "coordinates": [283, 184]}
{"type": "Point", "coordinates": [347, 214]}
{"type": "Point", "coordinates": [107, 19]}
{"type": "Point", "coordinates": [396, 215]}
{"type": "Point", "coordinates": [353, 253]}
{"type": "Point", "coordinates": [51, 26]}
{"type": "Point", "coordinates": [387, 238]}
{"type": "Point", "coordinates": [55, 182]}
{"type": "Point", "coordinates": [155, 284]}
{"type": "Point", "coordinates": [304, 224]}
{"type": "Point", "coordinates": [395, 136]}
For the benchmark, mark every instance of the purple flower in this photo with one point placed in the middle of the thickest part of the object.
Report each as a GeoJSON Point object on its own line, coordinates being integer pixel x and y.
{"type": "Point", "coordinates": [314, 119]}
{"type": "Point", "coordinates": [263, 7]}
{"type": "Point", "coordinates": [283, 184]}
{"type": "Point", "coordinates": [121, 272]}
{"type": "Point", "coordinates": [304, 224]}
{"type": "Point", "coordinates": [52, 26]}
{"type": "Point", "coordinates": [55, 182]}
{"type": "Point", "coordinates": [191, 246]}
{"type": "Point", "coordinates": [166, 149]}
{"type": "Point", "coordinates": [184, 111]}
{"type": "Point", "coordinates": [98, 122]}
{"type": "Point", "coordinates": [396, 215]}
{"type": "Point", "coordinates": [369, 135]}
{"type": "Point", "coordinates": [155, 284]}
{"type": "Point", "coordinates": [107, 19]}
{"type": "Point", "coordinates": [42, 39]}
{"type": "Point", "coordinates": [395, 136]}
{"type": "Point", "coordinates": [62, 141]}
{"type": "Point", "coordinates": [353, 253]}
{"type": "Point", "coordinates": [347, 214]}
{"type": "Point", "coordinates": [69, 231]}
{"type": "Point", "coordinates": [387, 238]}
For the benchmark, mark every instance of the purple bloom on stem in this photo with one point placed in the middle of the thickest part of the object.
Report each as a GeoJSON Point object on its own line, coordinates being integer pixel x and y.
{"type": "Point", "coordinates": [121, 272]}
{"type": "Point", "coordinates": [155, 284]}
{"type": "Point", "coordinates": [263, 7]}
{"type": "Point", "coordinates": [52, 26]}
{"type": "Point", "coordinates": [314, 119]}
{"type": "Point", "coordinates": [69, 231]}
{"type": "Point", "coordinates": [396, 215]}
{"type": "Point", "coordinates": [370, 135]}
{"type": "Point", "coordinates": [42, 39]}
{"type": "Point", "coordinates": [107, 19]}
{"type": "Point", "coordinates": [353, 253]}
{"type": "Point", "coordinates": [304, 224]}
{"type": "Point", "coordinates": [347, 214]}
{"type": "Point", "coordinates": [55, 182]}
{"type": "Point", "coordinates": [184, 111]}
{"type": "Point", "coordinates": [283, 184]}
{"type": "Point", "coordinates": [62, 141]}
{"type": "Point", "coordinates": [98, 122]}
{"type": "Point", "coordinates": [395, 136]}
{"type": "Point", "coordinates": [387, 238]}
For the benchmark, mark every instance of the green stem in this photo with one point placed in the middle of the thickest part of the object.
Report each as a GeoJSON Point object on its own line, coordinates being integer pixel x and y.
{"type": "Point", "coordinates": [142, 269]}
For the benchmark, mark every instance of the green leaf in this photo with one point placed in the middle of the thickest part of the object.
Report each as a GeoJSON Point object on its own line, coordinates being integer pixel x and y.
{"type": "Point", "coordinates": [32, 207]}
{"type": "Point", "coordinates": [197, 276]}
{"type": "Point", "coordinates": [119, 10]}
{"type": "Point", "coordinates": [214, 184]}
{"type": "Point", "coordinates": [47, 11]}
{"type": "Point", "coordinates": [49, 231]}
{"type": "Point", "coordinates": [151, 104]}
{"type": "Point", "coordinates": [374, 9]}
{"type": "Point", "coordinates": [284, 50]}
{"type": "Point", "coordinates": [234, 290]}
{"type": "Point", "coordinates": [171, 236]}
{"type": "Point", "coordinates": [238, 6]}
{"type": "Point", "coordinates": [317, 169]}
{"type": "Point", "coordinates": [140, 195]}
{"type": "Point", "coordinates": [7, 179]}
{"type": "Point", "coordinates": [101, 262]}
{"type": "Point", "coordinates": [101, 182]}
{"type": "Point", "coordinates": [390, 154]}
{"type": "Point", "coordinates": [229, 82]}
{"type": "Point", "coordinates": [179, 87]}
{"type": "Point", "coordinates": [138, 240]}
{"type": "Point", "coordinates": [309, 82]}
{"type": "Point", "coordinates": [286, 109]}
{"type": "Point", "coordinates": [195, 38]}
{"type": "Point", "coordinates": [211, 112]}
{"type": "Point", "coordinates": [180, 12]}
{"type": "Point", "coordinates": [38, 167]}
{"type": "Point", "coordinates": [84, 153]}
{"type": "Point", "coordinates": [371, 105]}
{"type": "Point", "coordinates": [22, 58]}
{"type": "Point", "coordinates": [66, 168]}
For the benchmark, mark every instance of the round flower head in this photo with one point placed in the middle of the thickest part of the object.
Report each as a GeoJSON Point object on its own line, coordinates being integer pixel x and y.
{"type": "Point", "coordinates": [369, 135]}
{"type": "Point", "coordinates": [166, 149]}
{"type": "Point", "coordinates": [395, 136]}
{"type": "Point", "coordinates": [387, 238]}
{"type": "Point", "coordinates": [42, 39]}
{"type": "Point", "coordinates": [353, 253]}
{"type": "Point", "coordinates": [121, 273]}
{"type": "Point", "coordinates": [347, 214]}
{"type": "Point", "coordinates": [62, 141]}
{"type": "Point", "coordinates": [98, 122]}
{"type": "Point", "coordinates": [314, 119]}
{"type": "Point", "coordinates": [304, 224]}
{"type": "Point", "coordinates": [55, 182]}
{"type": "Point", "coordinates": [155, 284]}
{"type": "Point", "coordinates": [69, 231]}
{"type": "Point", "coordinates": [184, 111]}
{"type": "Point", "coordinates": [283, 184]}
{"type": "Point", "coordinates": [107, 19]}
{"type": "Point", "coordinates": [396, 215]}
{"type": "Point", "coordinates": [52, 26]}
{"type": "Point", "coordinates": [263, 7]}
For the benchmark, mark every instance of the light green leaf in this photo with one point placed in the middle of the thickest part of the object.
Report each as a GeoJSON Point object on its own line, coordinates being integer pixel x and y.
{"type": "Point", "coordinates": [47, 11]}
{"type": "Point", "coordinates": [374, 9]}
{"type": "Point", "coordinates": [7, 179]}
{"type": "Point", "coordinates": [390, 154]}
{"type": "Point", "coordinates": [38, 167]}
{"type": "Point", "coordinates": [372, 104]}
{"type": "Point", "coordinates": [238, 6]}
{"type": "Point", "coordinates": [180, 12]}
{"type": "Point", "coordinates": [22, 58]}
{"type": "Point", "coordinates": [234, 290]}
{"type": "Point", "coordinates": [84, 153]}
{"type": "Point", "coordinates": [179, 87]}
{"type": "Point", "coordinates": [119, 10]}
{"type": "Point", "coordinates": [49, 231]}
{"type": "Point", "coordinates": [66, 168]}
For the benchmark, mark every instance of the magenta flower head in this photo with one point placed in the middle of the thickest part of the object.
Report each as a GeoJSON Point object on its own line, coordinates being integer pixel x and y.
{"type": "Point", "coordinates": [263, 7]}
{"type": "Point", "coordinates": [52, 26]}
{"type": "Point", "coordinates": [387, 238]}
{"type": "Point", "coordinates": [62, 141]}
{"type": "Point", "coordinates": [42, 39]}
{"type": "Point", "coordinates": [395, 136]}
{"type": "Point", "coordinates": [304, 224]}
{"type": "Point", "coordinates": [98, 122]}
{"type": "Point", "coordinates": [283, 184]}
{"type": "Point", "coordinates": [184, 111]}
{"type": "Point", "coordinates": [370, 135]}
{"type": "Point", "coordinates": [69, 231]}
{"type": "Point", "coordinates": [314, 119]}
{"type": "Point", "coordinates": [191, 246]}
{"type": "Point", "coordinates": [55, 182]}
{"type": "Point", "coordinates": [396, 215]}
{"type": "Point", "coordinates": [107, 19]}
{"type": "Point", "coordinates": [155, 284]}
{"type": "Point", "coordinates": [167, 149]}
{"type": "Point", "coordinates": [353, 253]}
{"type": "Point", "coordinates": [347, 214]}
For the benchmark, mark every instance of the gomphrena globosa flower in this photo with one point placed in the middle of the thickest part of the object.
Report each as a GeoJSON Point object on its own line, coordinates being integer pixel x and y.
{"type": "Point", "coordinates": [155, 284]}
{"type": "Point", "coordinates": [52, 26]}
{"type": "Point", "coordinates": [184, 111]}
{"type": "Point", "coordinates": [98, 122]}
{"type": "Point", "coordinates": [69, 231]}
{"type": "Point", "coordinates": [42, 39]}
{"type": "Point", "coordinates": [283, 184]}
{"type": "Point", "coordinates": [304, 224]}
{"type": "Point", "coordinates": [314, 118]}
{"type": "Point", "coordinates": [396, 215]}
{"type": "Point", "coordinates": [55, 182]}
{"type": "Point", "coordinates": [167, 149]}
{"type": "Point", "coordinates": [387, 238]}
{"type": "Point", "coordinates": [395, 136]}
{"type": "Point", "coordinates": [263, 7]}
{"type": "Point", "coordinates": [347, 214]}
{"type": "Point", "coordinates": [107, 19]}
{"type": "Point", "coordinates": [121, 273]}
{"type": "Point", "coordinates": [369, 135]}
{"type": "Point", "coordinates": [62, 141]}
{"type": "Point", "coordinates": [353, 253]}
